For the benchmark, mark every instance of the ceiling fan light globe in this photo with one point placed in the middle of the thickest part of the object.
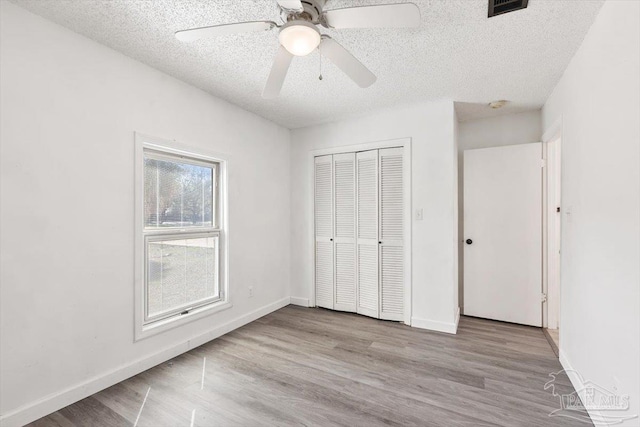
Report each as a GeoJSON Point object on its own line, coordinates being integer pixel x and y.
{"type": "Point", "coordinates": [300, 38]}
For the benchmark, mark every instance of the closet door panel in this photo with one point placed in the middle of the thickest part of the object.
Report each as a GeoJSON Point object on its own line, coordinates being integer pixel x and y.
{"type": "Point", "coordinates": [368, 298]}
{"type": "Point", "coordinates": [344, 178]}
{"type": "Point", "coordinates": [345, 277]}
{"type": "Point", "coordinates": [359, 232]}
{"type": "Point", "coordinates": [391, 283]}
{"type": "Point", "coordinates": [323, 213]}
{"type": "Point", "coordinates": [368, 280]}
{"type": "Point", "coordinates": [391, 234]}
{"type": "Point", "coordinates": [324, 274]}
{"type": "Point", "coordinates": [367, 208]}
{"type": "Point", "coordinates": [391, 195]}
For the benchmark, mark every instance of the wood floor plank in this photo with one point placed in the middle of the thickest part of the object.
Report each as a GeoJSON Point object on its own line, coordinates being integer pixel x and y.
{"type": "Point", "coordinates": [92, 409]}
{"type": "Point", "coordinates": [301, 366]}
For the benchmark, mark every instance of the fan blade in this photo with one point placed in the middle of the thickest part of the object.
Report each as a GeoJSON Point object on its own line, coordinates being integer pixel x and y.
{"type": "Point", "coordinates": [346, 62]}
{"type": "Point", "coordinates": [291, 5]}
{"type": "Point", "coordinates": [381, 16]}
{"type": "Point", "coordinates": [278, 73]}
{"type": "Point", "coordinates": [222, 30]}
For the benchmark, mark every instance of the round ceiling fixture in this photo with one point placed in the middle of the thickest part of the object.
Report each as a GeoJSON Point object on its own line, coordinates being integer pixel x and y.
{"type": "Point", "coordinates": [498, 104]}
{"type": "Point", "coordinates": [299, 37]}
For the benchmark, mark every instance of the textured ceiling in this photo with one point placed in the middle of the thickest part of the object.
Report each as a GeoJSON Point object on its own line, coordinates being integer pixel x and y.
{"type": "Point", "coordinates": [457, 53]}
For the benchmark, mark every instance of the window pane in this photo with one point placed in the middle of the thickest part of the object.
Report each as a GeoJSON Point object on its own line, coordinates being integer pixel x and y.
{"type": "Point", "coordinates": [181, 273]}
{"type": "Point", "coordinates": [178, 194]}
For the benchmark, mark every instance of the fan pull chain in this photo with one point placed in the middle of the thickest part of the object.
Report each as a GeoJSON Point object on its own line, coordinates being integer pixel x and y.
{"type": "Point", "coordinates": [320, 55]}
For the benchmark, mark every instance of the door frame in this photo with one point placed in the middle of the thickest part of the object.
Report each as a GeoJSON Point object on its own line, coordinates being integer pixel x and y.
{"type": "Point", "coordinates": [405, 143]}
{"type": "Point", "coordinates": [552, 230]}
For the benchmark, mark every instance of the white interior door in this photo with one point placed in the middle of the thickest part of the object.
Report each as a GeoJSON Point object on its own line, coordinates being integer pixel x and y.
{"type": "Point", "coordinates": [503, 233]}
{"type": "Point", "coordinates": [344, 179]}
{"type": "Point", "coordinates": [391, 234]}
{"type": "Point", "coordinates": [367, 233]}
{"type": "Point", "coordinates": [323, 203]}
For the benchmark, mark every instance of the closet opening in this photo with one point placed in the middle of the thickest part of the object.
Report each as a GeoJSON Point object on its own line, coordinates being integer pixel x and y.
{"type": "Point", "coordinates": [362, 230]}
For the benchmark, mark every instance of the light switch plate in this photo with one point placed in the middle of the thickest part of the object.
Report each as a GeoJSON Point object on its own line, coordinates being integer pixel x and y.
{"type": "Point", "coordinates": [419, 215]}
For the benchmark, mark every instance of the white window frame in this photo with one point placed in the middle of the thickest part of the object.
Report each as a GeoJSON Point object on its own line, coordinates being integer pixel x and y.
{"type": "Point", "coordinates": [159, 148]}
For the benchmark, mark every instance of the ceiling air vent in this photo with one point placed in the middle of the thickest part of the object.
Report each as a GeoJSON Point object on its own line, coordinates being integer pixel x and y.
{"type": "Point", "coordinates": [498, 7]}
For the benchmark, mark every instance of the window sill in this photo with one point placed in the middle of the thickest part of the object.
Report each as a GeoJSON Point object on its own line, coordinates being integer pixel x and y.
{"type": "Point", "coordinates": [145, 331]}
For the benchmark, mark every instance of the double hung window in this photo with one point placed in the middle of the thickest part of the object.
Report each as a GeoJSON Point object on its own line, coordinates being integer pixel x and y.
{"type": "Point", "coordinates": [180, 235]}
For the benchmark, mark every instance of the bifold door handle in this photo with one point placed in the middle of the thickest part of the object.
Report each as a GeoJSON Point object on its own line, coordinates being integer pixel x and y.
{"type": "Point", "coordinates": [379, 243]}
{"type": "Point", "coordinates": [469, 241]}
{"type": "Point", "coordinates": [331, 240]}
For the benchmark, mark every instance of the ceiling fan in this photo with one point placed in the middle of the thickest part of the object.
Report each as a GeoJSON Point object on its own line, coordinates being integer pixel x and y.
{"type": "Point", "coordinates": [300, 36]}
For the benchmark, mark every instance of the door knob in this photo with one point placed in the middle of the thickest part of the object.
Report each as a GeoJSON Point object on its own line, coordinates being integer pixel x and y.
{"type": "Point", "coordinates": [469, 241]}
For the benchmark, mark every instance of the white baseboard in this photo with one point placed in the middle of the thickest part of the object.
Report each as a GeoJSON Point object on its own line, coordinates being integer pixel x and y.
{"type": "Point", "coordinates": [565, 362]}
{"type": "Point", "coordinates": [53, 402]}
{"type": "Point", "coordinates": [436, 325]}
{"type": "Point", "coordinates": [576, 381]}
{"type": "Point", "coordinates": [303, 302]}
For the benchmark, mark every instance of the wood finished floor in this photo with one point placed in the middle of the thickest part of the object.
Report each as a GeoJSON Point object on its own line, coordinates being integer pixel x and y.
{"type": "Point", "coordinates": [307, 366]}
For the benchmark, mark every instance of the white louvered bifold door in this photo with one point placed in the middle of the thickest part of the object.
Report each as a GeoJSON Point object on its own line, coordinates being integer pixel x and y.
{"type": "Point", "coordinates": [344, 184]}
{"type": "Point", "coordinates": [367, 233]}
{"type": "Point", "coordinates": [323, 205]}
{"type": "Point", "coordinates": [391, 234]}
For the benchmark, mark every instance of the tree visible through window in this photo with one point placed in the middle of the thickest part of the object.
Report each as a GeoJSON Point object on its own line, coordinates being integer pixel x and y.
{"type": "Point", "coordinates": [178, 194]}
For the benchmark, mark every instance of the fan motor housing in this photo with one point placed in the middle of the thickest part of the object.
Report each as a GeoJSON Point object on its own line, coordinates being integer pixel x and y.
{"type": "Point", "coordinates": [312, 11]}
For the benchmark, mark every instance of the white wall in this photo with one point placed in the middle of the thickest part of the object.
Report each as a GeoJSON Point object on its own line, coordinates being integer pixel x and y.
{"type": "Point", "coordinates": [434, 187]}
{"type": "Point", "coordinates": [510, 129]}
{"type": "Point", "coordinates": [598, 101]}
{"type": "Point", "coordinates": [69, 111]}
